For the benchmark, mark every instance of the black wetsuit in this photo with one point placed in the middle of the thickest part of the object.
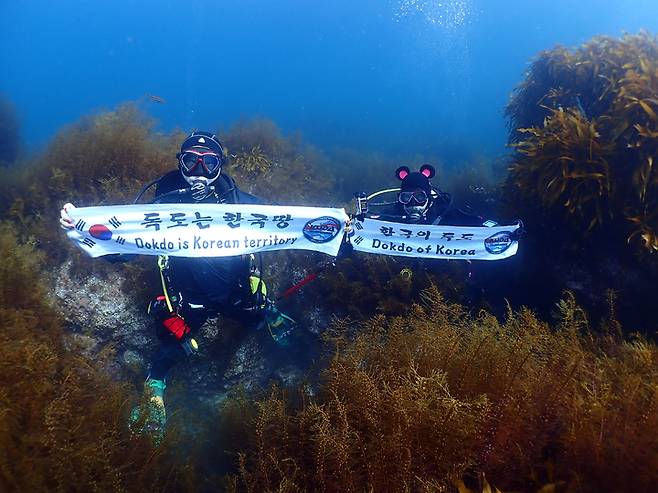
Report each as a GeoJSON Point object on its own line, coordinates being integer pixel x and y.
{"type": "Point", "coordinates": [208, 285]}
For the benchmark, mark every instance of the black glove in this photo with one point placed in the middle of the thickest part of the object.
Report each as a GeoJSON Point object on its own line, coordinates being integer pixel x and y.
{"type": "Point", "coordinates": [520, 232]}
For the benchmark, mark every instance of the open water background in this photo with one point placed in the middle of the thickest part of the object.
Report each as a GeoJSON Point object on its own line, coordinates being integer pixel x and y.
{"type": "Point", "coordinates": [392, 76]}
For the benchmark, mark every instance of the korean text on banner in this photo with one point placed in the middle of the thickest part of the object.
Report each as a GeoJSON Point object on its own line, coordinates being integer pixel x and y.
{"type": "Point", "coordinates": [440, 242]}
{"type": "Point", "coordinates": [205, 230]}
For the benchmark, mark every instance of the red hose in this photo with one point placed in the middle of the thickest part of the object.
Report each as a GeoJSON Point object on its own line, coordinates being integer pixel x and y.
{"type": "Point", "coordinates": [299, 285]}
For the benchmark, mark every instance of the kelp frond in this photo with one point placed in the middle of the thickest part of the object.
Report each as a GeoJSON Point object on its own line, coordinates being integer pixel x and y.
{"type": "Point", "coordinates": [584, 124]}
{"type": "Point", "coordinates": [565, 164]}
{"type": "Point", "coordinates": [253, 162]}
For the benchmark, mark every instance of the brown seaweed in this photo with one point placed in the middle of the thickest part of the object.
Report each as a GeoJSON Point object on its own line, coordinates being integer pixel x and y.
{"type": "Point", "coordinates": [584, 125]}
{"type": "Point", "coordinates": [438, 399]}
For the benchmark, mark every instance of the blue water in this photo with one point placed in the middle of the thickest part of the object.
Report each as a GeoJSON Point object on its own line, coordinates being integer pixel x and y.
{"type": "Point", "coordinates": [396, 76]}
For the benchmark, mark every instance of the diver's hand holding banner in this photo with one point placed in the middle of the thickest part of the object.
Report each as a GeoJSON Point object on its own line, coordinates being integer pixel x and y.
{"type": "Point", "coordinates": [205, 230]}
{"type": "Point", "coordinates": [439, 242]}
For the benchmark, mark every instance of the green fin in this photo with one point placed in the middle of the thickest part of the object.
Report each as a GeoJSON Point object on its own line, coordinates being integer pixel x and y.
{"type": "Point", "coordinates": [279, 324]}
{"type": "Point", "coordinates": [150, 417]}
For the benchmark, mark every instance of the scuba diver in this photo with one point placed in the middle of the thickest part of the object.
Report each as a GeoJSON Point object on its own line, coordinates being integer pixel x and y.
{"type": "Point", "coordinates": [195, 289]}
{"type": "Point", "coordinates": [419, 202]}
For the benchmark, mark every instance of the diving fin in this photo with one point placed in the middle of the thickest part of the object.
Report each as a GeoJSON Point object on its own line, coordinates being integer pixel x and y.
{"type": "Point", "coordinates": [149, 418]}
{"type": "Point", "coordinates": [279, 324]}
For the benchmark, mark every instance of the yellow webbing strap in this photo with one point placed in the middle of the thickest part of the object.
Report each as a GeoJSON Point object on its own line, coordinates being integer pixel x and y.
{"type": "Point", "coordinates": [163, 263]}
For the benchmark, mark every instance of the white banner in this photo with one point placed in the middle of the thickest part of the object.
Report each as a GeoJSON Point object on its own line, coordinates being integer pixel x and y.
{"type": "Point", "coordinates": [428, 241]}
{"type": "Point", "coordinates": [205, 230]}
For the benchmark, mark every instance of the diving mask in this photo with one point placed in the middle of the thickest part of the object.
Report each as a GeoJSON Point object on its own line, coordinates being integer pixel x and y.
{"type": "Point", "coordinates": [199, 163]}
{"type": "Point", "coordinates": [415, 203]}
{"type": "Point", "coordinates": [417, 196]}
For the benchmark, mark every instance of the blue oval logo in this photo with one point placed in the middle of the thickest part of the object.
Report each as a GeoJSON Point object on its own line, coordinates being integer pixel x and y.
{"type": "Point", "coordinates": [498, 242]}
{"type": "Point", "coordinates": [321, 229]}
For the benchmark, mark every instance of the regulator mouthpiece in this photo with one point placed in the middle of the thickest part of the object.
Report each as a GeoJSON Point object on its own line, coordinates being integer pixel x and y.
{"type": "Point", "coordinates": [200, 190]}
{"type": "Point", "coordinates": [415, 213]}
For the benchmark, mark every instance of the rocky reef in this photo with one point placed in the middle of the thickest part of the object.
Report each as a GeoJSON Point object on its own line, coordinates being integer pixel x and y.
{"type": "Point", "coordinates": [420, 376]}
{"type": "Point", "coordinates": [583, 128]}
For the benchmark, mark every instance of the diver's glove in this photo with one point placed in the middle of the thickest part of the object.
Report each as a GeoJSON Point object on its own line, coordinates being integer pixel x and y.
{"type": "Point", "coordinates": [174, 324]}
{"type": "Point", "coordinates": [158, 308]}
{"type": "Point", "coordinates": [177, 326]}
{"type": "Point", "coordinates": [520, 231]}
{"type": "Point", "coordinates": [67, 223]}
{"type": "Point", "coordinates": [171, 321]}
{"type": "Point", "coordinates": [65, 220]}
{"type": "Point", "coordinates": [150, 418]}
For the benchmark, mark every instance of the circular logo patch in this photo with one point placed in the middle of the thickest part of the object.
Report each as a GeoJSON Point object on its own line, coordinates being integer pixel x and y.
{"type": "Point", "coordinates": [321, 229]}
{"type": "Point", "coordinates": [498, 242]}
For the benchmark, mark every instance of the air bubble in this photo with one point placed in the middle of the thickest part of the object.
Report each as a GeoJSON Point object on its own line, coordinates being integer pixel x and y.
{"type": "Point", "coordinates": [447, 15]}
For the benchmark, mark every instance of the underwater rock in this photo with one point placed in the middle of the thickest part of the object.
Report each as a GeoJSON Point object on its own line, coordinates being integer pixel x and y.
{"type": "Point", "coordinates": [101, 314]}
{"type": "Point", "coordinates": [98, 307]}
{"type": "Point", "coordinates": [289, 375]}
{"type": "Point", "coordinates": [132, 358]}
{"type": "Point", "coordinates": [247, 365]}
{"type": "Point", "coordinates": [82, 344]}
{"type": "Point", "coordinates": [316, 318]}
